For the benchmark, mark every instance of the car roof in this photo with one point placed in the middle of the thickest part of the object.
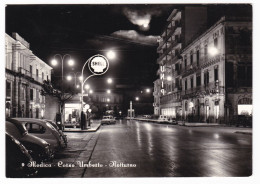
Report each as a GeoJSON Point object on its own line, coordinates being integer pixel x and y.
{"type": "Point", "coordinates": [30, 120]}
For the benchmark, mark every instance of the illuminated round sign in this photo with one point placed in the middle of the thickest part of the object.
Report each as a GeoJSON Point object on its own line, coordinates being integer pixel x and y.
{"type": "Point", "coordinates": [98, 64]}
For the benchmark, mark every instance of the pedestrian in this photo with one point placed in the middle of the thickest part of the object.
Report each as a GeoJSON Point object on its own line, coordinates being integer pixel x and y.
{"type": "Point", "coordinates": [82, 120]}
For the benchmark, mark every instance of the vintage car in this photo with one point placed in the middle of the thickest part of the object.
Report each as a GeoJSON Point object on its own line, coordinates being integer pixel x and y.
{"type": "Point", "coordinates": [43, 130]}
{"type": "Point", "coordinates": [166, 119]}
{"type": "Point", "coordinates": [17, 159]}
{"type": "Point", "coordinates": [108, 120]}
{"type": "Point", "coordinates": [39, 149]}
{"type": "Point", "coordinates": [64, 137]}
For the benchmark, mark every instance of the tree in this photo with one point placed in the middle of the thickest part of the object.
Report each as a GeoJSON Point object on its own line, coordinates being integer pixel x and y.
{"type": "Point", "coordinates": [48, 89]}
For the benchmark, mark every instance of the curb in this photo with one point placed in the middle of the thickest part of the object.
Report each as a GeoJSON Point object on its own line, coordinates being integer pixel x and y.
{"type": "Point", "coordinates": [84, 131]}
{"type": "Point", "coordinates": [246, 133]}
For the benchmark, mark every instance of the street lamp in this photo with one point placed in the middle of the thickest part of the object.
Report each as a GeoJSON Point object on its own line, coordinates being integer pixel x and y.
{"type": "Point", "coordinates": [109, 80]}
{"type": "Point", "coordinates": [69, 78]}
{"type": "Point", "coordinates": [111, 54]}
{"type": "Point", "coordinates": [54, 62]}
{"type": "Point", "coordinates": [137, 98]}
{"type": "Point", "coordinates": [87, 86]}
{"type": "Point", "coordinates": [148, 90]}
{"type": "Point", "coordinates": [98, 65]}
{"type": "Point", "coordinates": [108, 91]}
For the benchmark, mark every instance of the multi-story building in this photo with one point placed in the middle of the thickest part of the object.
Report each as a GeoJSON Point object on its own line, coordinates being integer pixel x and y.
{"type": "Point", "coordinates": [25, 73]}
{"type": "Point", "coordinates": [217, 72]}
{"type": "Point", "coordinates": [182, 25]}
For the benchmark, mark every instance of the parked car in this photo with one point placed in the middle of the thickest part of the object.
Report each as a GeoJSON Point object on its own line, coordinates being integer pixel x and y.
{"type": "Point", "coordinates": [163, 119]}
{"type": "Point", "coordinates": [39, 149]}
{"type": "Point", "coordinates": [64, 137]}
{"type": "Point", "coordinates": [108, 120]}
{"type": "Point", "coordinates": [17, 159]}
{"type": "Point", "coordinates": [43, 130]}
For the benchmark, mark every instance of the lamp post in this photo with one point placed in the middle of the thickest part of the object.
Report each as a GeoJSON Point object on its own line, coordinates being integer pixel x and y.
{"type": "Point", "coordinates": [98, 65]}
{"type": "Point", "coordinates": [75, 77]}
{"type": "Point", "coordinates": [54, 62]}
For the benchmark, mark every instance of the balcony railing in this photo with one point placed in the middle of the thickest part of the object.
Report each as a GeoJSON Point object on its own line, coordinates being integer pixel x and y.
{"type": "Point", "coordinates": [173, 44]}
{"type": "Point", "coordinates": [169, 34]}
{"type": "Point", "coordinates": [29, 74]}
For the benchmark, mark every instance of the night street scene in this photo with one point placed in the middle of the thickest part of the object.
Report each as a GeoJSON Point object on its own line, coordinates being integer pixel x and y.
{"type": "Point", "coordinates": [128, 90]}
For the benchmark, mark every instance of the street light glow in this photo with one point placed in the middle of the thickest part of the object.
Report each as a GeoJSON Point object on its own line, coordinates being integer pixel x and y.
{"type": "Point", "coordinates": [137, 98]}
{"type": "Point", "coordinates": [169, 78]}
{"type": "Point", "coordinates": [80, 78]}
{"type": "Point", "coordinates": [108, 91]}
{"type": "Point", "coordinates": [213, 51]}
{"type": "Point", "coordinates": [77, 86]}
{"type": "Point", "coordinates": [111, 54]}
{"type": "Point", "coordinates": [91, 91]}
{"type": "Point", "coordinates": [87, 86]}
{"type": "Point", "coordinates": [108, 100]}
{"type": "Point", "coordinates": [54, 62]}
{"type": "Point", "coordinates": [71, 62]}
{"type": "Point", "coordinates": [148, 90]}
{"type": "Point", "coordinates": [109, 80]}
{"type": "Point", "coordinates": [69, 78]}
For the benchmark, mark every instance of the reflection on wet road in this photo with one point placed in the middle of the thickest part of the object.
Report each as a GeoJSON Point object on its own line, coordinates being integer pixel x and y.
{"type": "Point", "coordinates": [164, 150]}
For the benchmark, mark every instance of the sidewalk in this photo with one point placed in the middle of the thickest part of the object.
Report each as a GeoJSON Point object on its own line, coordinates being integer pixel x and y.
{"type": "Point", "coordinates": [233, 129]}
{"type": "Point", "coordinates": [94, 126]}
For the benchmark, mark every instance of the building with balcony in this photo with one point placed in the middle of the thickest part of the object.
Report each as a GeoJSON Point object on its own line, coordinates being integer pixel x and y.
{"type": "Point", "coordinates": [25, 73]}
{"type": "Point", "coordinates": [217, 73]}
{"type": "Point", "coordinates": [182, 25]}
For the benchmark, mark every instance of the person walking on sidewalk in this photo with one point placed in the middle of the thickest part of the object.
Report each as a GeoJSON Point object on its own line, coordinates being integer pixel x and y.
{"type": "Point", "coordinates": [82, 120]}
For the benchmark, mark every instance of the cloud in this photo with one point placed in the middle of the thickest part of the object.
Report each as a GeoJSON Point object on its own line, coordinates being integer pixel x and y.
{"type": "Point", "coordinates": [143, 15]}
{"type": "Point", "coordinates": [136, 37]}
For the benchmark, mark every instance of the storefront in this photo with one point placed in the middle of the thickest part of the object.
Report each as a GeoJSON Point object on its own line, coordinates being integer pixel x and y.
{"type": "Point", "coordinates": [72, 113]}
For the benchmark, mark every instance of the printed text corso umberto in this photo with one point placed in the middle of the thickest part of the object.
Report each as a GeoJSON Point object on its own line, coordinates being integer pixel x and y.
{"type": "Point", "coordinates": [80, 164]}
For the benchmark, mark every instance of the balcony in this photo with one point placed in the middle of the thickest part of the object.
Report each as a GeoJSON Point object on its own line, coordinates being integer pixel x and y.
{"type": "Point", "coordinates": [173, 44]}
{"type": "Point", "coordinates": [29, 75]}
{"type": "Point", "coordinates": [170, 98]}
{"type": "Point", "coordinates": [169, 34]}
{"type": "Point", "coordinates": [208, 89]}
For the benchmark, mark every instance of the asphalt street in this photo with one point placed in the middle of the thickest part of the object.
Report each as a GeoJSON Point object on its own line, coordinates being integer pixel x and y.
{"type": "Point", "coordinates": [142, 149]}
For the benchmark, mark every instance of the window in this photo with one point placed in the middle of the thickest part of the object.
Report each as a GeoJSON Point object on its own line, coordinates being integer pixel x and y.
{"type": "Point", "coordinates": [198, 57]}
{"type": "Point", "coordinates": [198, 80]}
{"type": "Point", "coordinates": [216, 42]}
{"type": "Point", "coordinates": [31, 94]}
{"type": "Point", "coordinates": [37, 73]}
{"type": "Point", "coordinates": [42, 76]}
{"type": "Point", "coordinates": [206, 50]}
{"type": "Point", "coordinates": [191, 82]}
{"type": "Point", "coordinates": [244, 76]}
{"type": "Point", "coordinates": [22, 95]}
{"type": "Point", "coordinates": [191, 58]}
{"type": "Point", "coordinates": [47, 77]}
{"type": "Point", "coordinates": [31, 70]}
{"type": "Point", "coordinates": [185, 62]}
{"type": "Point", "coordinates": [8, 89]}
{"type": "Point", "coordinates": [229, 74]}
{"type": "Point", "coordinates": [206, 78]}
{"type": "Point", "coordinates": [35, 128]}
{"type": "Point", "coordinates": [216, 73]}
{"type": "Point", "coordinates": [185, 87]}
{"type": "Point", "coordinates": [37, 96]}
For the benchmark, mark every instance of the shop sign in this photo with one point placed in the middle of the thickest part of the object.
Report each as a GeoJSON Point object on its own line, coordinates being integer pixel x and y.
{"type": "Point", "coordinates": [98, 64]}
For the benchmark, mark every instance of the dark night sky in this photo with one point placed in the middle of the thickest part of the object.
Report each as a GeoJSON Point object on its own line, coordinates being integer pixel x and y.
{"type": "Point", "coordinates": [85, 30]}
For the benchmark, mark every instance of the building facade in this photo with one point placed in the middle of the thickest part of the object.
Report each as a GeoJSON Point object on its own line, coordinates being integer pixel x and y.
{"type": "Point", "coordinates": [25, 73]}
{"type": "Point", "coordinates": [99, 103]}
{"type": "Point", "coordinates": [181, 27]}
{"type": "Point", "coordinates": [216, 73]}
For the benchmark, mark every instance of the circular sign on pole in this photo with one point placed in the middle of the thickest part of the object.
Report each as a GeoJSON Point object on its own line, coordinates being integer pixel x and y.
{"type": "Point", "coordinates": [98, 64]}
